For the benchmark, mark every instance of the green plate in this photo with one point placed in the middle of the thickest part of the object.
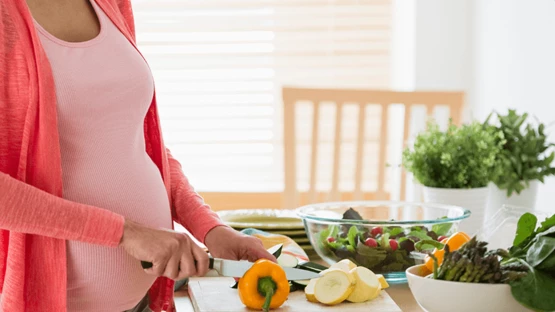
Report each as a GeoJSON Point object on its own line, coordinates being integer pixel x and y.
{"type": "Point", "coordinates": [262, 219]}
{"type": "Point", "coordinates": [302, 241]}
{"type": "Point", "coordinates": [290, 233]}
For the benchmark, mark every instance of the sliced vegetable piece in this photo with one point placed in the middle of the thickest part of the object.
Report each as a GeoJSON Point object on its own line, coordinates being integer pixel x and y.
{"type": "Point", "coordinates": [367, 285]}
{"type": "Point", "coordinates": [276, 250]}
{"type": "Point", "coordinates": [287, 260]}
{"type": "Point", "coordinates": [345, 265]}
{"type": "Point", "coordinates": [311, 266]}
{"type": "Point", "coordinates": [309, 290]}
{"type": "Point", "coordinates": [334, 286]}
{"type": "Point", "coordinates": [382, 280]}
{"type": "Point", "coordinates": [301, 283]}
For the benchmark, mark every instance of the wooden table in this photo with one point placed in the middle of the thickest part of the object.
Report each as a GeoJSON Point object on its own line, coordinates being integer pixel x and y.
{"type": "Point", "coordinates": [399, 293]}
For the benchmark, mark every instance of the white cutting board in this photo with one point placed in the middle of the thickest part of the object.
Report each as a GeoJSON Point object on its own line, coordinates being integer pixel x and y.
{"type": "Point", "coordinates": [214, 294]}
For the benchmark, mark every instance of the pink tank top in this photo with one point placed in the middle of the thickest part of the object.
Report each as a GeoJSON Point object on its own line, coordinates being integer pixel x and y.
{"type": "Point", "coordinates": [104, 88]}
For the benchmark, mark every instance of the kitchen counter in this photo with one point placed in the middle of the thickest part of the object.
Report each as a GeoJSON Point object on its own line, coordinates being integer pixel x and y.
{"type": "Point", "coordinates": [399, 293]}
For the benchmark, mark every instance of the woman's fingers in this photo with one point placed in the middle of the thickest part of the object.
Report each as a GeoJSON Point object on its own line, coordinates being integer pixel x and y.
{"type": "Point", "coordinates": [158, 268]}
{"type": "Point", "coordinates": [172, 254]}
{"type": "Point", "coordinates": [202, 261]}
{"type": "Point", "coordinates": [256, 253]}
{"type": "Point", "coordinates": [172, 267]}
{"type": "Point", "coordinates": [187, 265]}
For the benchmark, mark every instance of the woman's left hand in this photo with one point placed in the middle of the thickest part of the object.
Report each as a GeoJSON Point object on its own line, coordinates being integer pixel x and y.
{"type": "Point", "coordinates": [226, 243]}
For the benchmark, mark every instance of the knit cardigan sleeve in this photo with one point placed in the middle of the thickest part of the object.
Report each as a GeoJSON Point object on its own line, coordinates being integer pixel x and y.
{"type": "Point", "coordinates": [27, 209]}
{"type": "Point", "coordinates": [189, 208]}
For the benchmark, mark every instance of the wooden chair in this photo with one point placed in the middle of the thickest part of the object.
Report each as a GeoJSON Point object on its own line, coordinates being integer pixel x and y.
{"type": "Point", "coordinates": [363, 98]}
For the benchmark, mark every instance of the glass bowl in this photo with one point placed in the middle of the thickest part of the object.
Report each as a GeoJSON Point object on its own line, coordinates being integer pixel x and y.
{"type": "Point", "coordinates": [383, 240]}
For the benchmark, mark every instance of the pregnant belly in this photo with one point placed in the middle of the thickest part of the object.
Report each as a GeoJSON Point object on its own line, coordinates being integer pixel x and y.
{"type": "Point", "coordinates": [103, 278]}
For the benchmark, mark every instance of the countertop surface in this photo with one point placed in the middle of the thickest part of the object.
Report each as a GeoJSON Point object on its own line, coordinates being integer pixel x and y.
{"type": "Point", "coordinates": [399, 293]}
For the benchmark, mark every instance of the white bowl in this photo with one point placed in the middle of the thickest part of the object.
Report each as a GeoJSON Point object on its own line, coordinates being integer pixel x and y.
{"type": "Point", "coordinates": [441, 296]}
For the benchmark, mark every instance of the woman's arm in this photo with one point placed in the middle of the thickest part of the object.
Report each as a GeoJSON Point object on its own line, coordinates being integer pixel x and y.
{"type": "Point", "coordinates": [26, 209]}
{"type": "Point", "coordinates": [188, 207]}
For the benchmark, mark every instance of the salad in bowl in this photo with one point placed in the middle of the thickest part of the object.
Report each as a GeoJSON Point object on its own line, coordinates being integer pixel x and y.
{"type": "Point", "coordinates": [385, 237]}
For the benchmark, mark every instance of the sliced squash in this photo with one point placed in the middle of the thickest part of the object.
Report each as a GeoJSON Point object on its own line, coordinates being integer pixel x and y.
{"type": "Point", "coordinates": [367, 285]}
{"type": "Point", "coordinates": [383, 282]}
{"type": "Point", "coordinates": [334, 286]}
{"type": "Point", "coordinates": [287, 260]}
{"type": "Point", "coordinates": [345, 265]}
{"type": "Point", "coordinates": [309, 290]}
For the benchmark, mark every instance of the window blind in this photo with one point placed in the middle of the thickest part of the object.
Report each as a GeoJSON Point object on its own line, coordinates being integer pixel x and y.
{"type": "Point", "coordinates": [219, 66]}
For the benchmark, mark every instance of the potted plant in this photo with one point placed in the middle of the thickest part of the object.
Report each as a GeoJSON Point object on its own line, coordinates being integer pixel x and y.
{"type": "Point", "coordinates": [455, 166]}
{"type": "Point", "coordinates": [525, 159]}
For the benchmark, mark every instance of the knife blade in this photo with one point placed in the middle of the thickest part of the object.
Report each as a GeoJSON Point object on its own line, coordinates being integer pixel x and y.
{"type": "Point", "coordinates": [234, 268]}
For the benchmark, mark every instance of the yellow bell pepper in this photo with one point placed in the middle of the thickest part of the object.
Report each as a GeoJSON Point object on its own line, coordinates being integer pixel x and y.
{"type": "Point", "coordinates": [264, 286]}
{"type": "Point", "coordinates": [454, 242]}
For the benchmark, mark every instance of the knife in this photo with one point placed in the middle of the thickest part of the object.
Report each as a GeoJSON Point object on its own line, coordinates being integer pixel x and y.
{"type": "Point", "coordinates": [234, 268]}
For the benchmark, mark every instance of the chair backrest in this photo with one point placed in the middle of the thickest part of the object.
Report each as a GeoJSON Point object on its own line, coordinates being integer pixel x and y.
{"type": "Point", "coordinates": [363, 99]}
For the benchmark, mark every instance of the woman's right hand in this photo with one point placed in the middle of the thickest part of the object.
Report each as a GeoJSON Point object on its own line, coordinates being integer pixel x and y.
{"type": "Point", "coordinates": [172, 254]}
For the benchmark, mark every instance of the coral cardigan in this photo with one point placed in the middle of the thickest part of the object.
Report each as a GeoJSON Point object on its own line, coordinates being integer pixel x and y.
{"type": "Point", "coordinates": [35, 220]}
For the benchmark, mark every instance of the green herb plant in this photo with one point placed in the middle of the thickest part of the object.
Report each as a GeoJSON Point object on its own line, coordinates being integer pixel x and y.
{"type": "Point", "coordinates": [524, 156]}
{"type": "Point", "coordinates": [462, 157]}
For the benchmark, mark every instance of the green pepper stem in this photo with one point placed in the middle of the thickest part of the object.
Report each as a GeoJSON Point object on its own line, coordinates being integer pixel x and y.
{"type": "Point", "coordinates": [267, 288]}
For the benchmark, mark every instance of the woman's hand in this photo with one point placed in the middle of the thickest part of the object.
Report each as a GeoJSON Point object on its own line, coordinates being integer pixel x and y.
{"type": "Point", "coordinates": [224, 242]}
{"type": "Point", "coordinates": [172, 254]}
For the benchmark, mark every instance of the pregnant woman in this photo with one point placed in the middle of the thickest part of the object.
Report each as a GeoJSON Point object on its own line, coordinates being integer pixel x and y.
{"type": "Point", "coordinates": [87, 188]}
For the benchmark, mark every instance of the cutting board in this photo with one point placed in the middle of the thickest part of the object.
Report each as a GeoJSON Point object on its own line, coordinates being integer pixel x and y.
{"type": "Point", "coordinates": [214, 294]}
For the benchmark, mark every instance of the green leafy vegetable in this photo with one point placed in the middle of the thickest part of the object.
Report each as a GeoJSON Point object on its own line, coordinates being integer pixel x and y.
{"type": "Point", "coordinates": [541, 254]}
{"type": "Point", "coordinates": [384, 240]}
{"type": "Point", "coordinates": [334, 245]}
{"type": "Point", "coordinates": [322, 238]}
{"type": "Point", "coordinates": [394, 231]}
{"type": "Point", "coordinates": [547, 224]}
{"type": "Point", "coordinates": [334, 230]}
{"type": "Point", "coordinates": [442, 229]}
{"type": "Point", "coordinates": [428, 245]}
{"type": "Point", "coordinates": [535, 290]}
{"type": "Point", "coordinates": [369, 257]}
{"type": "Point", "coordinates": [351, 236]}
{"type": "Point", "coordinates": [422, 235]}
{"type": "Point", "coordinates": [525, 228]}
{"type": "Point", "coordinates": [351, 214]}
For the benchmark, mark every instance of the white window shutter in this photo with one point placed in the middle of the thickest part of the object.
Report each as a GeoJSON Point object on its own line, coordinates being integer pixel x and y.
{"type": "Point", "coordinates": [219, 66]}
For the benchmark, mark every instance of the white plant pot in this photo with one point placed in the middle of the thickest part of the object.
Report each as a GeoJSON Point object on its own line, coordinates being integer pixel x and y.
{"type": "Point", "coordinates": [498, 198]}
{"type": "Point", "coordinates": [475, 200]}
